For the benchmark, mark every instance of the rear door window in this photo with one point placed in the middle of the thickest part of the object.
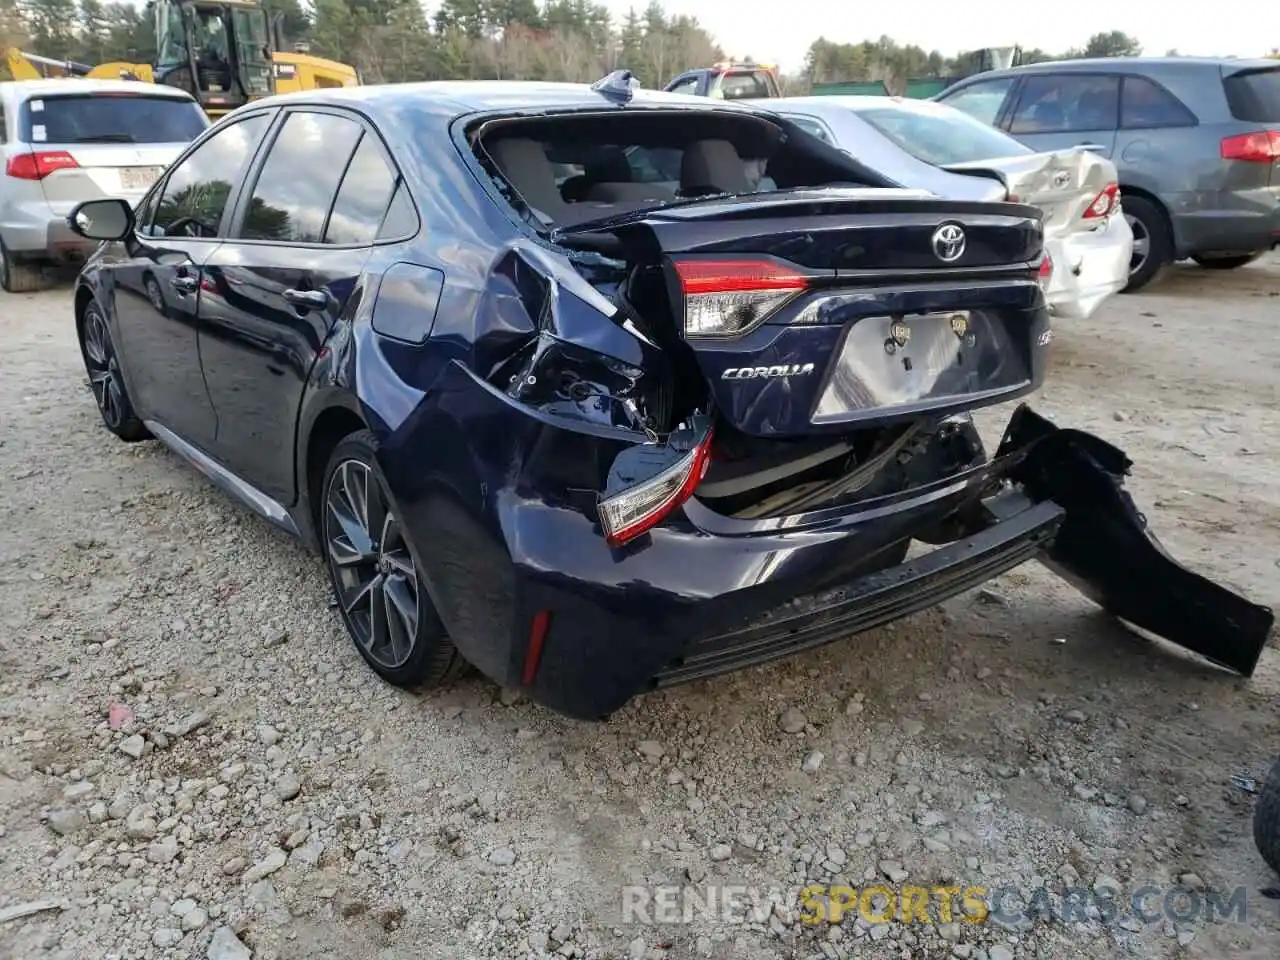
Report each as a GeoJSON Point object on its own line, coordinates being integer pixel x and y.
{"type": "Point", "coordinates": [1147, 105]}
{"type": "Point", "coordinates": [1254, 95]}
{"type": "Point", "coordinates": [363, 198]}
{"type": "Point", "coordinates": [298, 181]}
{"type": "Point", "coordinates": [111, 118]}
{"type": "Point", "coordinates": [1067, 102]}
{"type": "Point", "coordinates": [982, 100]}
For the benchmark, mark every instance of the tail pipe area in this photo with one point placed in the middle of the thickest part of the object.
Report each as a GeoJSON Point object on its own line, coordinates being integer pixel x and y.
{"type": "Point", "coordinates": [1104, 546]}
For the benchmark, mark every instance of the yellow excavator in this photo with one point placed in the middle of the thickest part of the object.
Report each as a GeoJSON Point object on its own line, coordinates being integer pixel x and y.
{"type": "Point", "coordinates": [225, 53]}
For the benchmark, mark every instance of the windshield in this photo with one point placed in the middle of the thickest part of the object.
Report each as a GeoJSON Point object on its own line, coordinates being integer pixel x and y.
{"type": "Point", "coordinates": [942, 137]}
{"type": "Point", "coordinates": [1254, 95]}
{"type": "Point", "coordinates": [112, 118]}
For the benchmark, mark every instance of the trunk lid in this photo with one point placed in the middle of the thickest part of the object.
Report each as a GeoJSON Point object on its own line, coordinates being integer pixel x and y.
{"type": "Point", "coordinates": [811, 312]}
{"type": "Point", "coordinates": [1063, 184]}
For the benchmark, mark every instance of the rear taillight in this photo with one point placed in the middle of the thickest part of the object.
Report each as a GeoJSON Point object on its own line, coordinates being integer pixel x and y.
{"type": "Point", "coordinates": [724, 298]}
{"type": "Point", "coordinates": [1104, 204]}
{"type": "Point", "coordinates": [37, 166]}
{"type": "Point", "coordinates": [1262, 146]}
{"type": "Point", "coordinates": [638, 509]}
{"type": "Point", "coordinates": [1046, 272]}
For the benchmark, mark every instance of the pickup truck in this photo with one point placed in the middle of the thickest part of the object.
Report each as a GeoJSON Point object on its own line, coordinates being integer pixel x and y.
{"type": "Point", "coordinates": [728, 81]}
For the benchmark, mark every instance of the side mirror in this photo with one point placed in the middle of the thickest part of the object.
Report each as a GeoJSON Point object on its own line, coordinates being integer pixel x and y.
{"type": "Point", "coordinates": [102, 219]}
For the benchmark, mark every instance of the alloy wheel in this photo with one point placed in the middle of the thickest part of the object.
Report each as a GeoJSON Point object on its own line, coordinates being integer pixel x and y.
{"type": "Point", "coordinates": [373, 571]}
{"type": "Point", "coordinates": [1141, 243]}
{"type": "Point", "coordinates": [104, 371]}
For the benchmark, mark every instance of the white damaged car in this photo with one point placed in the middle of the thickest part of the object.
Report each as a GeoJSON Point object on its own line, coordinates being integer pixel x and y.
{"type": "Point", "coordinates": [930, 146]}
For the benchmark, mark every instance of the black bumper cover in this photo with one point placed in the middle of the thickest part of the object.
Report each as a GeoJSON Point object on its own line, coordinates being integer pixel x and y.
{"type": "Point", "coordinates": [1070, 511]}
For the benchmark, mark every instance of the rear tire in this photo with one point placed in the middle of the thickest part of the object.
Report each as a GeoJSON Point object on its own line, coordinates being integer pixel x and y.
{"type": "Point", "coordinates": [380, 594]}
{"type": "Point", "coordinates": [1266, 819]}
{"type": "Point", "coordinates": [1152, 242]}
{"type": "Point", "coordinates": [1227, 263]}
{"type": "Point", "coordinates": [16, 277]}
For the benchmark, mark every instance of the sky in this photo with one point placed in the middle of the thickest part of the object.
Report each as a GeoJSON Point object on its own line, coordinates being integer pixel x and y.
{"type": "Point", "coordinates": [780, 31]}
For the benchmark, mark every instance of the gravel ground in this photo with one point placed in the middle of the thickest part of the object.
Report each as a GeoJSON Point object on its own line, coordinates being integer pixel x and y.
{"type": "Point", "coordinates": [194, 761]}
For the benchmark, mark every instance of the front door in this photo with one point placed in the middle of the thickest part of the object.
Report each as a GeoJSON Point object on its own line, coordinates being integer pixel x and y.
{"type": "Point", "coordinates": [158, 288]}
{"type": "Point", "coordinates": [303, 231]}
{"type": "Point", "coordinates": [1058, 111]}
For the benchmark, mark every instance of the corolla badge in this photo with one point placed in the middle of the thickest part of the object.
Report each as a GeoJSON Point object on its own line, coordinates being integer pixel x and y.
{"type": "Point", "coordinates": [768, 373]}
{"type": "Point", "coordinates": [949, 242]}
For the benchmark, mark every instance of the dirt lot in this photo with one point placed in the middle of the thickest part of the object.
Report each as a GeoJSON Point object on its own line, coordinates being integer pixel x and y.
{"type": "Point", "coordinates": [283, 801]}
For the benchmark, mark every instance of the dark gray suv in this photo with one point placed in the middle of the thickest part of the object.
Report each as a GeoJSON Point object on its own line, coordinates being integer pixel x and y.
{"type": "Point", "coordinates": [1196, 142]}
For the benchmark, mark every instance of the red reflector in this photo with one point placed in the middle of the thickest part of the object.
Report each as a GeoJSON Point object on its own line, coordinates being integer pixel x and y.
{"type": "Point", "coordinates": [1262, 146]}
{"type": "Point", "coordinates": [736, 276]}
{"type": "Point", "coordinates": [1104, 204]}
{"type": "Point", "coordinates": [37, 166]}
{"type": "Point", "coordinates": [538, 628]}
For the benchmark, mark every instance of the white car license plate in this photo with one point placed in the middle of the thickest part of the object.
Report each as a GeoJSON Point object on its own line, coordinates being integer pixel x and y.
{"type": "Point", "coordinates": [138, 178]}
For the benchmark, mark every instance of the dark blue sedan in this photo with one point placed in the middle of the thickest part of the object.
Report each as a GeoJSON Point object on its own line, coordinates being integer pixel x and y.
{"type": "Point", "coordinates": [601, 390]}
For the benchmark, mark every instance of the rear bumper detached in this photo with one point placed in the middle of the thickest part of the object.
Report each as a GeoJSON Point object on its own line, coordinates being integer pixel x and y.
{"type": "Point", "coordinates": [590, 627]}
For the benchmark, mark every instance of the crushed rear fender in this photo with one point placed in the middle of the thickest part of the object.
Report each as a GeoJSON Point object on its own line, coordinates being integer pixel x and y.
{"type": "Point", "coordinates": [1105, 548]}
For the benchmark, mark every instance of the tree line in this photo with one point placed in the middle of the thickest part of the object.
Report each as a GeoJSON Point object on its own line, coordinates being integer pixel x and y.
{"type": "Point", "coordinates": [395, 40]}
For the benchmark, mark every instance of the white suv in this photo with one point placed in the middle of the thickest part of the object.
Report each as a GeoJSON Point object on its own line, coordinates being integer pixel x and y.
{"type": "Point", "coordinates": [63, 141]}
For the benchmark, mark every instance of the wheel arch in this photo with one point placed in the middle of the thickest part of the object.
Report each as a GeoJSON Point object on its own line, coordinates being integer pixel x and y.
{"type": "Point", "coordinates": [1155, 201]}
{"type": "Point", "coordinates": [326, 430]}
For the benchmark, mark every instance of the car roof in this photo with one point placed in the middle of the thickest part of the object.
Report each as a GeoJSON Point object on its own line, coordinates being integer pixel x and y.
{"type": "Point", "coordinates": [1131, 65]}
{"type": "Point", "coordinates": [74, 86]}
{"type": "Point", "coordinates": [858, 102]}
{"type": "Point", "coordinates": [460, 97]}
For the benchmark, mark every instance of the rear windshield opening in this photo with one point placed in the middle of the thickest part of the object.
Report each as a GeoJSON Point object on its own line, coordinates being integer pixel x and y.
{"type": "Point", "coordinates": [572, 169]}
{"type": "Point", "coordinates": [127, 118]}
{"type": "Point", "coordinates": [1254, 96]}
{"type": "Point", "coordinates": [942, 138]}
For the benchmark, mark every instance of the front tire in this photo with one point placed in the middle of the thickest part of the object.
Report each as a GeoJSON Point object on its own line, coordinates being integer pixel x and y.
{"type": "Point", "coordinates": [1227, 263]}
{"type": "Point", "coordinates": [381, 596]}
{"type": "Point", "coordinates": [1152, 243]}
{"type": "Point", "coordinates": [1266, 819]}
{"type": "Point", "coordinates": [105, 380]}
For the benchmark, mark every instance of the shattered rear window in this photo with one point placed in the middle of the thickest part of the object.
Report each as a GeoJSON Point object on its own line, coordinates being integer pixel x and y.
{"type": "Point", "coordinates": [573, 168]}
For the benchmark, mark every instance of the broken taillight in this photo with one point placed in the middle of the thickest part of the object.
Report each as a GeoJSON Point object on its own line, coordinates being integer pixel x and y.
{"type": "Point", "coordinates": [1046, 272]}
{"type": "Point", "coordinates": [1262, 146]}
{"type": "Point", "coordinates": [1104, 204]}
{"type": "Point", "coordinates": [636, 510]}
{"type": "Point", "coordinates": [37, 166]}
{"type": "Point", "coordinates": [725, 298]}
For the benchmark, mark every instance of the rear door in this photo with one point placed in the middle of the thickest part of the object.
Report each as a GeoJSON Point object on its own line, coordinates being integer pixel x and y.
{"type": "Point", "coordinates": [1057, 111]}
{"type": "Point", "coordinates": [105, 144]}
{"type": "Point", "coordinates": [302, 233]}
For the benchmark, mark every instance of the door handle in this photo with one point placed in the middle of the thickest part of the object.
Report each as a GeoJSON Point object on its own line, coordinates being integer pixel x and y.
{"type": "Point", "coordinates": [1095, 147]}
{"type": "Point", "coordinates": [185, 284]}
{"type": "Point", "coordinates": [307, 299]}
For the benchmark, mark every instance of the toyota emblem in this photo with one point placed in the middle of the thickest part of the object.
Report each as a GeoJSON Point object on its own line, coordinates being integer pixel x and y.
{"type": "Point", "coordinates": [948, 242]}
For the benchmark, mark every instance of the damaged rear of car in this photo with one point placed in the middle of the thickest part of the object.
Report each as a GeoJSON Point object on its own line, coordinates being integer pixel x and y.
{"type": "Point", "coordinates": [712, 381]}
